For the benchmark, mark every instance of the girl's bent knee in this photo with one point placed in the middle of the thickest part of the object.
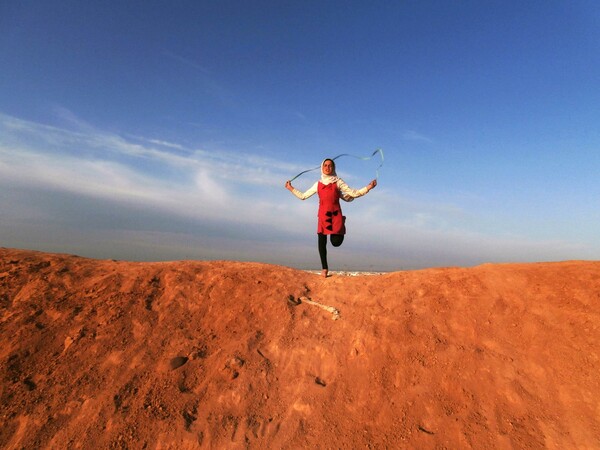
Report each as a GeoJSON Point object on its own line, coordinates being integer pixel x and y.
{"type": "Point", "coordinates": [337, 239]}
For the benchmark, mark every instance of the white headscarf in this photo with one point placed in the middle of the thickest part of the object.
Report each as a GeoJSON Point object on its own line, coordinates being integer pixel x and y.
{"type": "Point", "coordinates": [328, 179]}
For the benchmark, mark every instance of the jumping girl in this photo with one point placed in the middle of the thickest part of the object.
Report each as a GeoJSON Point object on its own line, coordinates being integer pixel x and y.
{"type": "Point", "coordinates": [330, 219]}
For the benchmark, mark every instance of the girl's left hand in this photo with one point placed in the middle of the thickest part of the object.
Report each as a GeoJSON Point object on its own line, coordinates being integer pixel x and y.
{"type": "Point", "coordinates": [372, 184]}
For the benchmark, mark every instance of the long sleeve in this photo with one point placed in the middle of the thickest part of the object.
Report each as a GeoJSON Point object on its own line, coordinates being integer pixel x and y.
{"type": "Point", "coordinates": [304, 195]}
{"type": "Point", "coordinates": [348, 193]}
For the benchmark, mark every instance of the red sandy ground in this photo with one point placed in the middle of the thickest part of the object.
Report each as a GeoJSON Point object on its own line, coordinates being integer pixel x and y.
{"type": "Point", "coordinates": [110, 354]}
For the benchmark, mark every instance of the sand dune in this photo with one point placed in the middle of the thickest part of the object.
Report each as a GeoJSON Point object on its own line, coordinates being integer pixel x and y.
{"type": "Point", "coordinates": [110, 354]}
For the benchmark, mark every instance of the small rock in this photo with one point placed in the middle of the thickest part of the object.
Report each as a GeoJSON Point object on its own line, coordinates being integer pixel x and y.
{"type": "Point", "coordinates": [320, 382]}
{"type": "Point", "coordinates": [178, 361]}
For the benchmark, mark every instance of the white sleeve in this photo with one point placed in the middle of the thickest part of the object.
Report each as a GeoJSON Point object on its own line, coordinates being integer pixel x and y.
{"type": "Point", "coordinates": [349, 193]}
{"type": "Point", "coordinates": [304, 195]}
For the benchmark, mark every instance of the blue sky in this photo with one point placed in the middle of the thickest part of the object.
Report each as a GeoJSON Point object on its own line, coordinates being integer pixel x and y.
{"type": "Point", "coordinates": [166, 130]}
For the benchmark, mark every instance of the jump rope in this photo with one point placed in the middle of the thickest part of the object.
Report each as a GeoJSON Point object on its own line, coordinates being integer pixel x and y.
{"type": "Point", "coordinates": [364, 158]}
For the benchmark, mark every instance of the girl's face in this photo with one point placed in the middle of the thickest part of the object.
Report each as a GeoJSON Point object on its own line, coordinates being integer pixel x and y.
{"type": "Point", "coordinates": [328, 167]}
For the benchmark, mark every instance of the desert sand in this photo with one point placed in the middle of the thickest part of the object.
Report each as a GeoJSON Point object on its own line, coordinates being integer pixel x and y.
{"type": "Point", "coordinates": [222, 354]}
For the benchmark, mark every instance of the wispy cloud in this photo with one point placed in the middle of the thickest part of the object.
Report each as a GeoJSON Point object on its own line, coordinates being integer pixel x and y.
{"type": "Point", "coordinates": [92, 144]}
{"type": "Point", "coordinates": [300, 116]}
{"type": "Point", "coordinates": [237, 196]}
{"type": "Point", "coordinates": [204, 77]}
{"type": "Point", "coordinates": [195, 183]}
{"type": "Point", "coordinates": [185, 61]}
{"type": "Point", "coordinates": [411, 135]}
{"type": "Point", "coordinates": [159, 142]}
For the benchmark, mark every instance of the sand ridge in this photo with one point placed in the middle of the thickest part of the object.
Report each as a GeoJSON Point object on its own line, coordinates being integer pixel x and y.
{"type": "Point", "coordinates": [113, 354]}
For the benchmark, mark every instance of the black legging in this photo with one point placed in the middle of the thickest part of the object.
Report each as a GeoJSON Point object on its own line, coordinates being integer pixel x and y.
{"type": "Point", "coordinates": [336, 241]}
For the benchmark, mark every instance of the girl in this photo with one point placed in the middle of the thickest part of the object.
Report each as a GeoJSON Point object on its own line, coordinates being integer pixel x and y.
{"type": "Point", "coordinates": [330, 219]}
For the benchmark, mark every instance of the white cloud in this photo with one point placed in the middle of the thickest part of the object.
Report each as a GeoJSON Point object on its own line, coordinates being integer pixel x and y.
{"type": "Point", "coordinates": [166, 144]}
{"type": "Point", "coordinates": [195, 183]}
{"type": "Point", "coordinates": [238, 197]}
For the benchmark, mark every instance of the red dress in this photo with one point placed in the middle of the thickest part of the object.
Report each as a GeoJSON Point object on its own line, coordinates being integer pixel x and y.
{"type": "Point", "coordinates": [330, 216]}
